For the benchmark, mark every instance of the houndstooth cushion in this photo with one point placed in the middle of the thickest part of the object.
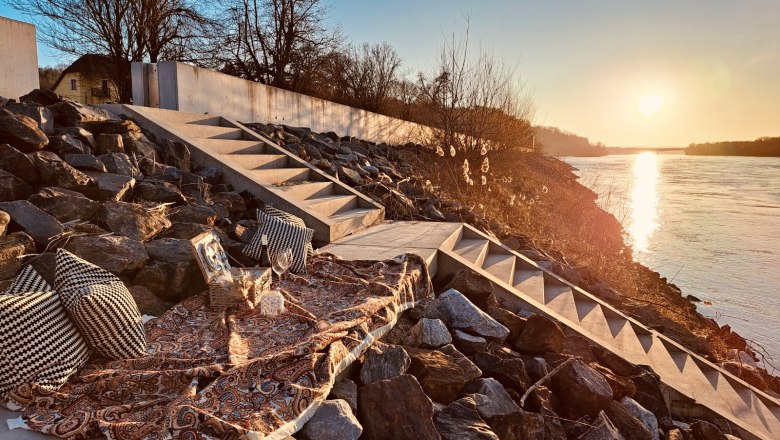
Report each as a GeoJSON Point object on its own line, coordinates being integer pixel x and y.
{"type": "Point", "coordinates": [282, 233]}
{"type": "Point", "coordinates": [27, 281]}
{"type": "Point", "coordinates": [270, 210]}
{"type": "Point", "coordinates": [101, 306]}
{"type": "Point", "coordinates": [39, 343]}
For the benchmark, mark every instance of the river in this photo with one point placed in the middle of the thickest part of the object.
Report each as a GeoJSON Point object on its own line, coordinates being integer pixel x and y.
{"type": "Point", "coordinates": [709, 224]}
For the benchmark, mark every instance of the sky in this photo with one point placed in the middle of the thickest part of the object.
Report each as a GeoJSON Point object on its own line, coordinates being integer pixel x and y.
{"type": "Point", "coordinates": [710, 69]}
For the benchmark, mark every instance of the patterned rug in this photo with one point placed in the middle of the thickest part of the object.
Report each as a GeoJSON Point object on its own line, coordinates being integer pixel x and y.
{"type": "Point", "coordinates": [230, 374]}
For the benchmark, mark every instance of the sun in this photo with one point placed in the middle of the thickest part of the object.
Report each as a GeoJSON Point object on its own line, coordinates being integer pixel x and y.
{"type": "Point", "coordinates": [649, 105]}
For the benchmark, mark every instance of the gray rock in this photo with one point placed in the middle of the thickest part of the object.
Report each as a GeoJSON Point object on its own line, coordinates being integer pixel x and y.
{"type": "Point", "coordinates": [332, 421]}
{"type": "Point", "coordinates": [132, 220]}
{"type": "Point", "coordinates": [21, 131]}
{"type": "Point", "coordinates": [387, 405]}
{"type": "Point", "coordinates": [602, 429]}
{"type": "Point", "coordinates": [441, 376]}
{"type": "Point", "coordinates": [79, 133]}
{"type": "Point", "coordinates": [40, 96]}
{"type": "Point", "coordinates": [510, 372]}
{"type": "Point", "coordinates": [350, 176]}
{"type": "Point", "coordinates": [109, 143]}
{"type": "Point", "coordinates": [511, 321]}
{"type": "Point", "coordinates": [4, 220]}
{"type": "Point", "coordinates": [429, 333]}
{"type": "Point", "coordinates": [41, 115]}
{"type": "Point", "coordinates": [119, 163]}
{"type": "Point", "coordinates": [63, 144]}
{"type": "Point", "coordinates": [384, 362]}
{"type": "Point", "coordinates": [540, 335]}
{"type": "Point", "coordinates": [12, 247]}
{"type": "Point", "coordinates": [85, 162]}
{"type": "Point", "coordinates": [193, 213]}
{"type": "Point", "coordinates": [346, 390]}
{"type": "Point", "coordinates": [159, 192]}
{"type": "Point", "coordinates": [703, 430]}
{"type": "Point", "coordinates": [115, 253]}
{"type": "Point", "coordinates": [111, 126]}
{"type": "Point", "coordinates": [232, 201]}
{"type": "Point", "coordinates": [55, 172]}
{"type": "Point", "coordinates": [172, 269]}
{"type": "Point", "coordinates": [13, 188]}
{"type": "Point", "coordinates": [433, 213]}
{"type": "Point", "coordinates": [467, 343]}
{"type": "Point", "coordinates": [65, 205]}
{"type": "Point", "coordinates": [138, 145]}
{"type": "Point", "coordinates": [461, 421]}
{"type": "Point", "coordinates": [170, 250]}
{"type": "Point", "coordinates": [536, 368]}
{"type": "Point", "coordinates": [18, 164]}
{"type": "Point", "coordinates": [186, 231]}
{"type": "Point", "coordinates": [112, 186]}
{"type": "Point", "coordinates": [626, 423]}
{"type": "Point", "coordinates": [581, 390]}
{"type": "Point", "coordinates": [461, 314]}
{"type": "Point", "coordinates": [175, 154]}
{"type": "Point", "coordinates": [468, 367]}
{"type": "Point", "coordinates": [646, 417]}
{"type": "Point", "coordinates": [496, 400]}
{"type": "Point", "coordinates": [69, 113]}
{"type": "Point", "coordinates": [38, 224]}
{"type": "Point", "coordinates": [148, 303]}
{"type": "Point", "coordinates": [210, 175]}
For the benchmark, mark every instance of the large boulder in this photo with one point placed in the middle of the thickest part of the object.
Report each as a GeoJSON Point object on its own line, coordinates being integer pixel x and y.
{"type": "Point", "coordinates": [581, 390]}
{"type": "Point", "coordinates": [647, 418]}
{"type": "Point", "coordinates": [602, 429]}
{"type": "Point", "coordinates": [111, 126]}
{"type": "Point", "coordinates": [12, 247]}
{"type": "Point", "coordinates": [41, 96]}
{"type": "Point", "coordinates": [540, 335]}
{"type": "Point", "coordinates": [175, 154]}
{"type": "Point", "coordinates": [41, 115]}
{"type": "Point", "coordinates": [115, 253]}
{"type": "Point", "coordinates": [497, 402]}
{"type": "Point", "coordinates": [429, 333]}
{"type": "Point", "coordinates": [69, 113]}
{"type": "Point", "coordinates": [440, 375]}
{"type": "Point", "coordinates": [112, 186]}
{"type": "Point", "coordinates": [626, 423]}
{"type": "Point", "coordinates": [475, 287]}
{"type": "Point", "coordinates": [148, 303]}
{"type": "Point", "coordinates": [109, 143]}
{"type": "Point", "coordinates": [193, 213]}
{"type": "Point", "coordinates": [38, 224]}
{"type": "Point", "coordinates": [384, 362]}
{"type": "Point", "coordinates": [85, 162]}
{"type": "Point", "coordinates": [18, 164]}
{"type": "Point", "coordinates": [119, 163]}
{"type": "Point", "coordinates": [510, 320]}
{"type": "Point", "coordinates": [460, 420]}
{"type": "Point", "coordinates": [172, 270]}
{"type": "Point", "coordinates": [133, 220]}
{"type": "Point", "coordinates": [55, 172]}
{"type": "Point", "coordinates": [462, 314]}
{"type": "Point", "coordinates": [138, 145]}
{"type": "Point", "coordinates": [510, 372]}
{"type": "Point", "coordinates": [65, 205]}
{"type": "Point", "coordinates": [650, 396]}
{"type": "Point", "coordinates": [332, 421]}
{"type": "Point", "coordinates": [345, 390]}
{"type": "Point", "coordinates": [467, 343]}
{"type": "Point", "coordinates": [703, 430]}
{"type": "Point", "coordinates": [13, 188]}
{"type": "Point", "coordinates": [158, 192]}
{"type": "Point", "coordinates": [396, 409]}
{"type": "Point", "coordinates": [63, 144]}
{"type": "Point", "coordinates": [21, 131]}
{"type": "Point", "coordinates": [79, 133]}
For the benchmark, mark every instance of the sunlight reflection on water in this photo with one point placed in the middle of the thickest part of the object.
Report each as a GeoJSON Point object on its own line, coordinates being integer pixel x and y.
{"type": "Point", "coordinates": [644, 201]}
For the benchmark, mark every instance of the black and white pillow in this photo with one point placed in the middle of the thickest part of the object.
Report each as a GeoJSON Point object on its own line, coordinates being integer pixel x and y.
{"type": "Point", "coordinates": [270, 210]}
{"type": "Point", "coordinates": [101, 306]}
{"type": "Point", "coordinates": [27, 281]}
{"type": "Point", "coordinates": [282, 233]}
{"type": "Point", "coordinates": [39, 343]}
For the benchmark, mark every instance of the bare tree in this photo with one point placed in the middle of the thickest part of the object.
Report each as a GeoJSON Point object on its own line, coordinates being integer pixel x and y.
{"type": "Point", "coordinates": [172, 29]}
{"type": "Point", "coordinates": [277, 42]}
{"type": "Point", "coordinates": [369, 75]}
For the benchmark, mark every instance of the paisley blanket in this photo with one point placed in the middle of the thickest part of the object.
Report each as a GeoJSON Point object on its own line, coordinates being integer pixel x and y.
{"type": "Point", "coordinates": [235, 373]}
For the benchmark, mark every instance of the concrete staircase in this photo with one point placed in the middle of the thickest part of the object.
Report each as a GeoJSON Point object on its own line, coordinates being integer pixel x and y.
{"type": "Point", "coordinates": [522, 283]}
{"type": "Point", "coordinates": [253, 163]}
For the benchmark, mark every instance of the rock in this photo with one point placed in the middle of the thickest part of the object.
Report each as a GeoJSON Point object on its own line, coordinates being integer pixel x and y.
{"type": "Point", "coordinates": [111, 186]}
{"type": "Point", "coordinates": [614, 362]}
{"type": "Point", "coordinates": [4, 220]}
{"type": "Point", "coordinates": [115, 253]}
{"type": "Point", "coordinates": [85, 162]}
{"type": "Point", "coordinates": [132, 220]}
{"type": "Point", "coordinates": [41, 115]}
{"type": "Point", "coordinates": [38, 224]}
{"type": "Point", "coordinates": [12, 247]}
{"type": "Point", "coordinates": [232, 201]}
{"type": "Point", "coordinates": [69, 113]}
{"type": "Point", "coordinates": [649, 395]}
{"type": "Point", "coordinates": [427, 308]}
{"type": "Point", "coordinates": [603, 291]}
{"type": "Point", "coordinates": [64, 205]}
{"type": "Point", "coordinates": [602, 429]}
{"type": "Point", "coordinates": [13, 188]}
{"type": "Point", "coordinates": [159, 192]}
{"type": "Point", "coordinates": [396, 409]}
{"type": "Point", "coordinates": [461, 421]}
{"type": "Point", "coordinates": [111, 126]}
{"type": "Point", "coordinates": [139, 146]}
{"type": "Point", "coordinates": [175, 154]}
{"type": "Point", "coordinates": [647, 418]}
{"type": "Point", "coordinates": [210, 175]}
{"type": "Point", "coordinates": [40, 96]}
{"type": "Point", "coordinates": [461, 314]}
{"type": "Point", "coordinates": [18, 164]}
{"type": "Point", "coordinates": [63, 144]}
{"type": "Point", "coordinates": [677, 434]}
{"type": "Point", "coordinates": [540, 335]}
{"type": "Point", "coordinates": [147, 302]}
{"type": "Point", "coordinates": [626, 423]}
{"type": "Point", "coordinates": [109, 143]}
{"type": "Point", "coordinates": [186, 231]}
{"type": "Point", "coordinates": [440, 375]}
{"type": "Point", "coordinates": [497, 400]}
{"type": "Point", "coordinates": [193, 213]}
{"type": "Point", "coordinates": [346, 390]}
{"type": "Point", "coordinates": [323, 164]}
{"type": "Point", "coordinates": [79, 133]}
{"type": "Point", "coordinates": [384, 362]}
{"type": "Point", "coordinates": [621, 386]}
{"type": "Point", "coordinates": [475, 287]}
{"type": "Point", "coordinates": [467, 343]}
{"type": "Point", "coordinates": [55, 172]}
{"type": "Point", "coordinates": [21, 131]}
{"type": "Point", "coordinates": [119, 163]}
{"type": "Point", "coordinates": [521, 425]}
{"type": "Point", "coordinates": [511, 321]}
{"type": "Point", "coordinates": [703, 430]}
{"type": "Point", "coordinates": [332, 421]}
{"type": "Point", "coordinates": [172, 270]}
{"type": "Point", "coordinates": [350, 176]}
{"type": "Point", "coordinates": [536, 368]}
{"type": "Point", "coordinates": [510, 372]}
{"type": "Point", "coordinates": [429, 333]}
{"type": "Point", "coordinates": [581, 390]}
{"type": "Point", "coordinates": [433, 213]}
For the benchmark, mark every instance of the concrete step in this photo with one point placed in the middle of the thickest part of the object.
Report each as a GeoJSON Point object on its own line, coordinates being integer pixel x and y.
{"type": "Point", "coordinates": [199, 131]}
{"type": "Point", "coordinates": [691, 377]}
{"type": "Point", "coordinates": [233, 146]}
{"type": "Point", "coordinates": [306, 190]}
{"type": "Point", "coordinates": [258, 161]}
{"type": "Point", "coordinates": [333, 204]}
{"type": "Point", "coordinates": [280, 176]}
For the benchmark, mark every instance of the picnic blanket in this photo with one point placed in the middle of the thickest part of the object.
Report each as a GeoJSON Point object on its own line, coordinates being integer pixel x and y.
{"type": "Point", "coordinates": [235, 373]}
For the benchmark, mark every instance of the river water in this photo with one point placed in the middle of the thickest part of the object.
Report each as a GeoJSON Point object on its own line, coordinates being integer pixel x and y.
{"type": "Point", "coordinates": [711, 225]}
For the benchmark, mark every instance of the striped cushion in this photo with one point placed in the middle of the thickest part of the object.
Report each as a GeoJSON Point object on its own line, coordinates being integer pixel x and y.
{"type": "Point", "coordinates": [39, 343]}
{"type": "Point", "coordinates": [270, 210]}
{"type": "Point", "coordinates": [27, 281]}
{"type": "Point", "coordinates": [101, 306]}
{"type": "Point", "coordinates": [282, 233]}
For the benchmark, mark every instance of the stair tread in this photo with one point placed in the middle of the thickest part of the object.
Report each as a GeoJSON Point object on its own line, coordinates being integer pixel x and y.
{"type": "Point", "coordinates": [471, 249]}
{"type": "Point", "coordinates": [207, 131]}
{"type": "Point", "coordinates": [530, 282]}
{"type": "Point", "coordinates": [560, 299]}
{"type": "Point", "coordinates": [279, 175]}
{"type": "Point", "coordinates": [502, 266]}
{"type": "Point", "coordinates": [352, 213]}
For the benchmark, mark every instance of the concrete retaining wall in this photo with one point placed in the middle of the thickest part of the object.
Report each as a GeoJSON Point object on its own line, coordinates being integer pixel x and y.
{"type": "Point", "coordinates": [19, 55]}
{"type": "Point", "coordinates": [177, 86]}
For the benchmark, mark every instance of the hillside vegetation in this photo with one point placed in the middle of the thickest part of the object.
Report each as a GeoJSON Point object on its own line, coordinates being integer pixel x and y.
{"type": "Point", "coordinates": [763, 146]}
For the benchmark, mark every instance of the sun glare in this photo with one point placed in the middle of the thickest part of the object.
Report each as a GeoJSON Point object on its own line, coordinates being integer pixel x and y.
{"type": "Point", "coordinates": [649, 105]}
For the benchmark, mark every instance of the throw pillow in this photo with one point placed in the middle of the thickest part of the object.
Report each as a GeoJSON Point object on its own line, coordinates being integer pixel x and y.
{"type": "Point", "coordinates": [101, 306]}
{"type": "Point", "coordinates": [282, 234]}
{"type": "Point", "coordinates": [27, 281]}
{"type": "Point", "coordinates": [270, 210]}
